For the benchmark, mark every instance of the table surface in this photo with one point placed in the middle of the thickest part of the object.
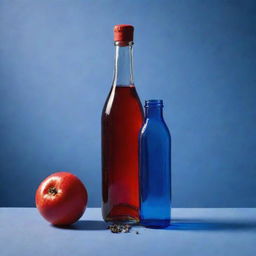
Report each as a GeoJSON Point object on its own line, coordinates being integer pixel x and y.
{"type": "Point", "coordinates": [194, 231]}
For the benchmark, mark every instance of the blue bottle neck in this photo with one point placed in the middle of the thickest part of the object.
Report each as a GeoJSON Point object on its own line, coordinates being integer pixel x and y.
{"type": "Point", "coordinates": [154, 112]}
{"type": "Point", "coordinates": [154, 109]}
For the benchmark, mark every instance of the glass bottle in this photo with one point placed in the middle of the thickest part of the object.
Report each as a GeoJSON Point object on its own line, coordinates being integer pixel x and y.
{"type": "Point", "coordinates": [122, 118]}
{"type": "Point", "coordinates": [155, 167]}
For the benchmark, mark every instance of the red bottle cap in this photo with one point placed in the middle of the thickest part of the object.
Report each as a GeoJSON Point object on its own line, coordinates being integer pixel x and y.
{"type": "Point", "coordinates": [123, 33]}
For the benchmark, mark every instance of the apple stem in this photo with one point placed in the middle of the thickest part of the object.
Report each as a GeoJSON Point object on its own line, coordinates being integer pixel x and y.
{"type": "Point", "coordinates": [52, 191]}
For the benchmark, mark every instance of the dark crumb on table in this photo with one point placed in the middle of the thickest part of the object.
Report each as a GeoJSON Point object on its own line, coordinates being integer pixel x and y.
{"type": "Point", "coordinates": [137, 232]}
{"type": "Point", "coordinates": [119, 228]}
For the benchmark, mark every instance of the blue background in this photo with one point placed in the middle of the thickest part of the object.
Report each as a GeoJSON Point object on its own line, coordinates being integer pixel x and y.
{"type": "Point", "coordinates": [56, 62]}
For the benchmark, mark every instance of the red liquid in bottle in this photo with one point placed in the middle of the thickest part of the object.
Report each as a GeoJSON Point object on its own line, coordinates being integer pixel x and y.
{"type": "Point", "coordinates": [122, 118]}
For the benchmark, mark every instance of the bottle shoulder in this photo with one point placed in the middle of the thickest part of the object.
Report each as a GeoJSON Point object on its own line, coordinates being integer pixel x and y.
{"type": "Point", "coordinates": [155, 126]}
{"type": "Point", "coordinates": [122, 100]}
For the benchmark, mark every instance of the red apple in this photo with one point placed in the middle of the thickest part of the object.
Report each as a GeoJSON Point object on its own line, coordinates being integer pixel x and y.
{"type": "Point", "coordinates": [61, 198]}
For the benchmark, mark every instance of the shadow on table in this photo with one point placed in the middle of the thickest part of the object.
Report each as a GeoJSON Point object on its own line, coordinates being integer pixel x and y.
{"type": "Point", "coordinates": [184, 224]}
{"type": "Point", "coordinates": [177, 224]}
{"type": "Point", "coordinates": [86, 225]}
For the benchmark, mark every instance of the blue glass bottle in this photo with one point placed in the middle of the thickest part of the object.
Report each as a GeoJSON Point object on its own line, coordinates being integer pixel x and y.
{"type": "Point", "coordinates": [155, 167]}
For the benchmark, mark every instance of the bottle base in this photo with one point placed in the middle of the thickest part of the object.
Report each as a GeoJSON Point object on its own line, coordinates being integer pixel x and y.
{"type": "Point", "coordinates": [122, 214]}
{"type": "Point", "coordinates": [153, 223]}
{"type": "Point", "coordinates": [122, 220]}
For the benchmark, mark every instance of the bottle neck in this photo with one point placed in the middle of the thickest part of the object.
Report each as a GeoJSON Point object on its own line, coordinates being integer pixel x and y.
{"type": "Point", "coordinates": [123, 70]}
{"type": "Point", "coordinates": [154, 112]}
{"type": "Point", "coordinates": [154, 109]}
